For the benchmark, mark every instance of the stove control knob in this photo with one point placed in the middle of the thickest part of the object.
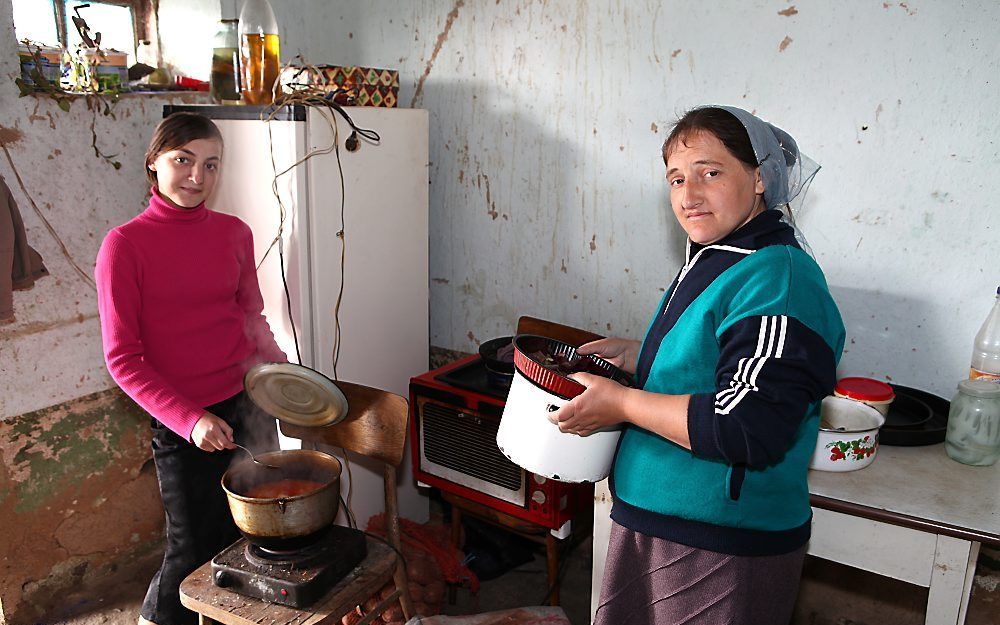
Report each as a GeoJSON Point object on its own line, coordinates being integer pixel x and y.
{"type": "Point", "coordinates": [538, 497]}
{"type": "Point", "coordinates": [223, 579]}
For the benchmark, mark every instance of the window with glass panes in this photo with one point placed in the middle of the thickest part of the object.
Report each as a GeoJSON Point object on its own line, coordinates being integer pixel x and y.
{"type": "Point", "coordinates": [121, 23]}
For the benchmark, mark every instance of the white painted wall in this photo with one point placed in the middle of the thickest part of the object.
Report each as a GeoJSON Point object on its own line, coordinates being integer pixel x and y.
{"type": "Point", "coordinates": [52, 353]}
{"type": "Point", "coordinates": [547, 194]}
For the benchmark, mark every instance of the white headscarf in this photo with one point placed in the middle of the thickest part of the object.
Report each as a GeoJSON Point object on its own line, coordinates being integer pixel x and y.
{"type": "Point", "coordinates": [785, 171]}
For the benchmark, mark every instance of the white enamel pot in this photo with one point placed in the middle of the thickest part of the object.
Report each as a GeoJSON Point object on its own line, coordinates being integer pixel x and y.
{"type": "Point", "coordinates": [848, 435]}
{"type": "Point", "coordinates": [529, 439]}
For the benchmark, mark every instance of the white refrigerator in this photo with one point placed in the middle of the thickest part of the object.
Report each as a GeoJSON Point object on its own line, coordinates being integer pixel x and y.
{"type": "Point", "coordinates": [354, 240]}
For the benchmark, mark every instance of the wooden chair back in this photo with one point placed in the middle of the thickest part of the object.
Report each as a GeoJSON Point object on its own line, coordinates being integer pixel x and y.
{"type": "Point", "coordinates": [375, 427]}
{"type": "Point", "coordinates": [550, 329]}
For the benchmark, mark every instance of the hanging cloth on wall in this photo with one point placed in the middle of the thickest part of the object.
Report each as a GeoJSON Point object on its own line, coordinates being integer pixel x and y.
{"type": "Point", "coordinates": [20, 265]}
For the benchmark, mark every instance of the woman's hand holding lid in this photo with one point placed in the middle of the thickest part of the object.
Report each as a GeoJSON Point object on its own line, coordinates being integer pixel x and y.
{"type": "Point", "coordinates": [211, 433]}
{"type": "Point", "coordinates": [622, 353]}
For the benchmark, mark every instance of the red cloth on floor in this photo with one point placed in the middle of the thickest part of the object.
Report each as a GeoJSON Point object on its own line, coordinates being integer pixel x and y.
{"type": "Point", "coordinates": [420, 537]}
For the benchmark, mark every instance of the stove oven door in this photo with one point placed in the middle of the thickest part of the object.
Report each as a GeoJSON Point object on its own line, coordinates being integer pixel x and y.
{"type": "Point", "coordinates": [459, 445]}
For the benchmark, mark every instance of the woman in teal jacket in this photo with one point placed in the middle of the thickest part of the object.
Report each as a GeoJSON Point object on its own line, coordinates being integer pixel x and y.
{"type": "Point", "coordinates": [711, 507]}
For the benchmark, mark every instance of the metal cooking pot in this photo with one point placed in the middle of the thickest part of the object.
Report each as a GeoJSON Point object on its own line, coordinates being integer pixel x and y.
{"type": "Point", "coordinates": [529, 439]}
{"type": "Point", "coordinates": [284, 522]}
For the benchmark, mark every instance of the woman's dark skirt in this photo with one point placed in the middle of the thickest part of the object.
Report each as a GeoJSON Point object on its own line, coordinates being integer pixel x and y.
{"type": "Point", "coordinates": [649, 580]}
{"type": "Point", "coordinates": [199, 524]}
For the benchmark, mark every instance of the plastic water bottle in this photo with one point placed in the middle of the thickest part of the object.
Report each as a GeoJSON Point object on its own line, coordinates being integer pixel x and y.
{"type": "Point", "coordinates": [986, 351]}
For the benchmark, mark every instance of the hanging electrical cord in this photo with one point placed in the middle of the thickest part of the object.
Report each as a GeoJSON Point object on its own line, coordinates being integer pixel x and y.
{"type": "Point", "coordinates": [288, 302]}
{"type": "Point", "coordinates": [350, 488]}
{"type": "Point", "coordinates": [282, 215]}
{"type": "Point", "coordinates": [351, 521]}
{"type": "Point", "coordinates": [335, 356]}
{"type": "Point", "coordinates": [352, 142]}
{"type": "Point", "coordinates": [323, 105]}
{"type": "Point", "coordinates": [279, 242]}
{"type": "Point", "coordinates": [308, 91]}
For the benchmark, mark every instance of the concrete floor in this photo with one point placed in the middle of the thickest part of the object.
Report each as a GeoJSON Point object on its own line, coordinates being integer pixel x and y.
{"type": "Point", "coordinates": [831, 594]}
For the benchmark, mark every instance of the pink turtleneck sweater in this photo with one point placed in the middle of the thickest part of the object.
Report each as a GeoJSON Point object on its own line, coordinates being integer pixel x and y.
{"type": "Point", "coordinates": [181, 310]}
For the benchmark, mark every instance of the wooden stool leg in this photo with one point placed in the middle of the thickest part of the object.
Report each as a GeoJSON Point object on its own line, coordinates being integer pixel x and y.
{"type": "Point", "coordinates": [402, 581]}
{"type": "Point", "coordinates": [552, 559]}
{"type": "Point", "coordinates": [393, 533]}
{"type": "Point", "coordinates": [456, 536]}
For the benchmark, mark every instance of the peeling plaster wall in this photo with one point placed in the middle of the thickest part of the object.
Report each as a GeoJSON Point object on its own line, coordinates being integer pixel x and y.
{"type": "Point", "coordinates": [78, 502]}
{"type": "Point", "coordinates": [52, 353]}
{"type": "Point", "coordinates": [547, 193]}
{"type": "Point", "coordinates": [547, 197]}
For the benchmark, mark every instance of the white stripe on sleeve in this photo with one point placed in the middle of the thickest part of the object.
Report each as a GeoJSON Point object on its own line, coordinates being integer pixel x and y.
{"type": "Point", "coordinates": [770, 342]}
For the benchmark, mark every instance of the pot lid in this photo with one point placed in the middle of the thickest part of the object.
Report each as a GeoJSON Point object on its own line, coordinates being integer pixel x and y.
{"type": "Point", "coordinates": [295, 394]}
{"type": "Point", "coordinates": [864, 389]}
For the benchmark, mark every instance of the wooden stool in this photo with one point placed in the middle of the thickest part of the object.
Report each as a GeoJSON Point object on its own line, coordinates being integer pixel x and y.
{"type": "Point", "coordinates": [214, 604]}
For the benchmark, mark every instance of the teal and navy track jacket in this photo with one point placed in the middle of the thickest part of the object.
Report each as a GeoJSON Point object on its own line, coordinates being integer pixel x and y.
{"type": "Point", "coordinates": [750, 331]}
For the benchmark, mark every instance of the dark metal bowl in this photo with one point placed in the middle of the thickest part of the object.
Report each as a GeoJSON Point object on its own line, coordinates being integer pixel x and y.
{"type": "Point", "coordinates": [488, 352]}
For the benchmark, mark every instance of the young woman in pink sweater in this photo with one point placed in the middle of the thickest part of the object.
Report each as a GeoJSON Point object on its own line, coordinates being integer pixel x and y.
{"type": "Point", "coordinates": [181, 319]}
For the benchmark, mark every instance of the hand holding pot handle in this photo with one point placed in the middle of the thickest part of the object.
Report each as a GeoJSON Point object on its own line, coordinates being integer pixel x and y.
{"type": "Point", "coordinates": [622, 353]}
{"type": "Point", "coordinates": [211, 433]}
{"type": "Point", "coordinates": [601, 405]}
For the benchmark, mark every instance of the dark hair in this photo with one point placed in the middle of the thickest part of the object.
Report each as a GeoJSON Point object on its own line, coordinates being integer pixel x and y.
{"type": "Point", "coordinates": [721, 123]}
{"type": "Point", "coordinates": [176, 130]}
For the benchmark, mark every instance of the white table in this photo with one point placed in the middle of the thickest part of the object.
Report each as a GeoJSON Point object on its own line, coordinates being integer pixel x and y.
{"type": "Point", "coordinates": [914, 515]}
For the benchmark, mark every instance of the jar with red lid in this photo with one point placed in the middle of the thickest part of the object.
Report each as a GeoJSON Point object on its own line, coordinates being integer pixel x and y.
{"type": "Point", "coordinates": [875, 393]}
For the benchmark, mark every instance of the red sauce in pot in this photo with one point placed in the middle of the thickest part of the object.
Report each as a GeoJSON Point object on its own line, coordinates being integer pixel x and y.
{"type": "Point", "coordinates": [283, 488]}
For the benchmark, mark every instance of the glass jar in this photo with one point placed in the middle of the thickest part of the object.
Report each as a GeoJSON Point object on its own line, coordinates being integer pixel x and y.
{"type": "Point", "coordinates": [225, 78]}
{"type": "Point", "coordinates": [259, 53]}
{"type": "Point", "coordinates": [973, 435]}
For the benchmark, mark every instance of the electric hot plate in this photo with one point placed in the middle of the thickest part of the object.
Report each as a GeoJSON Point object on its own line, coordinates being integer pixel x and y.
{"type": "Point", "coordinates": [293, 578]}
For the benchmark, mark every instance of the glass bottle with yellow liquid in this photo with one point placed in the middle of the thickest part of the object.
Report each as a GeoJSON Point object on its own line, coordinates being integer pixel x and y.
{"type": "Point", "coordinates": [259, 53]}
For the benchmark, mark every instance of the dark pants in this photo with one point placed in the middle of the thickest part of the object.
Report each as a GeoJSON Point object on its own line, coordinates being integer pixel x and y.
{"type": "Point", "coordinates": [199, 524]}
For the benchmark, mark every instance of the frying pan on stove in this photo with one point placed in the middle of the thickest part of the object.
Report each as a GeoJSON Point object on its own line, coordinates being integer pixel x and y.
{"type": "Point", "coordinates": [503, 363]}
